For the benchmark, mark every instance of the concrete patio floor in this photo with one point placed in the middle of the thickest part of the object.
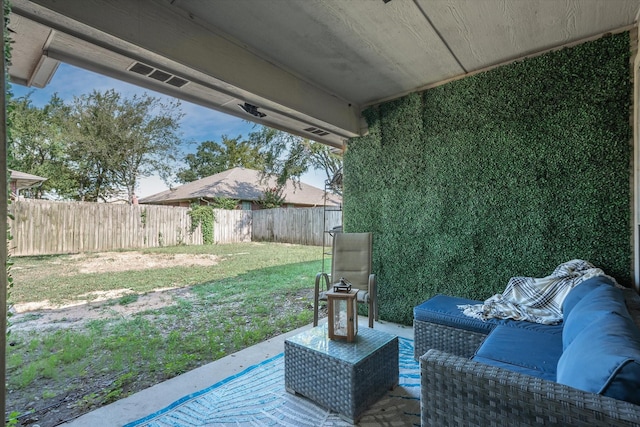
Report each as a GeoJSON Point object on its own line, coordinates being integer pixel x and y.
{"type": "Point", "coordinates": [161, 395]}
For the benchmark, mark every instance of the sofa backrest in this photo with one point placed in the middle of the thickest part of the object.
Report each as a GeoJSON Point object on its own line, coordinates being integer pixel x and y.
{"type": "Point", "coordinates": [581, 290]}
{"type": "Point", "coordinates": [601, 342]}
{"type": "Point", "coordinates": [600, 301]}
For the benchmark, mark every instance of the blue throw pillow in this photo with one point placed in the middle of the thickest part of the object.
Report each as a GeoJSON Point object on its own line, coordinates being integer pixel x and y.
{"type": "Point", "coordinates": [604, 359]}
{"type": "Point", "coordinates": [601, 301]}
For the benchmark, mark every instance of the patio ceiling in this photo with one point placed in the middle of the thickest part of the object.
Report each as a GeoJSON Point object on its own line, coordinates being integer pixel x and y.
{"type": "Point", "coordinates": [308, 66]}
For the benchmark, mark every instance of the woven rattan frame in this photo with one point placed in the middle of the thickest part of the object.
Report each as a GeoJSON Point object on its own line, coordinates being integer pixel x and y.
{"type": "Point", "coordinates": [337, 384]}
{"type": "Point", "coordinates": [456, 391]}
{"type": "Point", "coordinates": [452, 340]}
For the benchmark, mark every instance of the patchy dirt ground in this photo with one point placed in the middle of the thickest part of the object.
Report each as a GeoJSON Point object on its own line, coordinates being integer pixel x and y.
{"type": "Point", "coordinates": [96, 305]}
{"type": "Point", "coordinates": [44, 315]}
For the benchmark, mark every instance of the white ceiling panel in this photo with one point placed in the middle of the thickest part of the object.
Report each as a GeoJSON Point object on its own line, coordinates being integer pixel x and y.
{"type": "Point", "coordinates": [358, 50]}
{"type": "Point", "coordinates": [307, 64]}
{"type": "Point", "coordinates": [512, 29]}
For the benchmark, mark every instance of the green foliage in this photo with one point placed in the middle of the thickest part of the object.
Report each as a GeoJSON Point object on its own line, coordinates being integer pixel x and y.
{"type": "Point", "coordinates": [286, 157]}
{"type": "Point", "coordinates": [115, 141]}
{"type": "Point", "coordinates": [211, 158]}
{"type": "Point", "coordinates": [13, 419]}
{"type": "Point", "coordinates": [96, 147]}
{"type": "Point", "coordinates": [115, 390]}
{"type": "Point", "coordinates": [271, 198]}
{"type": "Point", "coordinates": [7, 37]}
{"type": "Point", "coordinates": [9, 147]}
{"type": "Point", "coordinates": [39, 144]}
{"type": "Point", "coordinates": [506, 173]}
{"type": "Point", "coordinates": [283, 156]}
{"type": "Point", "coordinates": [224, 203]}
{"type": "Point", "coordinates": [202, 215]}
{"type": "Point", "coordinates": [330, 160]}
{"type": "Point", "coordinates": [128, 299]}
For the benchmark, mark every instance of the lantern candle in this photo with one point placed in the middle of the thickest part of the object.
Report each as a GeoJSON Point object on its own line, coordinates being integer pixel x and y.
{"type": "Point", "coordinates": [343, 315]}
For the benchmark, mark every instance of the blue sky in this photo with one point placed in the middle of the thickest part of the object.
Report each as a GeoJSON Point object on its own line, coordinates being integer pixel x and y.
{"type": "Point", "coordinates": [198, 124]}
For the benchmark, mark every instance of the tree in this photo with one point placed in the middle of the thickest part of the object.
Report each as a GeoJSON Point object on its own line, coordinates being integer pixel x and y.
{"type": "Point", "coordinates": [330, 160]}
{"type": "Point", "coordinates": [211, 158]}
{"type": "Point", "coordinates": [116, 141]}
{"type": "Point", "coordinates": [288, 157]}
{"type": "Point", "coordinates": [39, 145]}
{"type": "Point", "coordinates": [272, 198]}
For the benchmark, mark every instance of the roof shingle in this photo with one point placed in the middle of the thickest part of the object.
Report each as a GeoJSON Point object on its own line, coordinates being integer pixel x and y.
{"type": "Point", "coordinates": [242, 184]}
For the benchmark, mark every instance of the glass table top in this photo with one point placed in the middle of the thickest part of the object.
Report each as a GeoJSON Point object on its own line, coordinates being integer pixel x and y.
{"type": "Point", "coordinates": [367, 342]}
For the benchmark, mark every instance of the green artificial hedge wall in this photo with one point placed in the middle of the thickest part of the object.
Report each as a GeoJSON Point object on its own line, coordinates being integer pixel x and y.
{"type": "Point", "coordinates": [505, 173]}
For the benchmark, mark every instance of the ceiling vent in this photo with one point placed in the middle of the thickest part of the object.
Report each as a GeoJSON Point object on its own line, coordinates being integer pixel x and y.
{"type": "Point", "coordinates": [317, 131]}
{"type": "Point", "coordinates": [141, 69]}
{"type": "Point", "coordinates": [176, 81]}
{"type": "Point", "coordinates": [156, 74]}
{"type": "Point", "coordinates": [160, 75]}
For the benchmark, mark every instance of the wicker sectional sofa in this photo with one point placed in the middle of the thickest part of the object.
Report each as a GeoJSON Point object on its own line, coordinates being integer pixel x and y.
{"type": "Point", "coordinates": [583, 372]}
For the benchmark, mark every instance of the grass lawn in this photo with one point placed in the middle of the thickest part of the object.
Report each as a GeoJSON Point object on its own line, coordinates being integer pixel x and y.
{"type": "Point", "coordinates": [230, 297]}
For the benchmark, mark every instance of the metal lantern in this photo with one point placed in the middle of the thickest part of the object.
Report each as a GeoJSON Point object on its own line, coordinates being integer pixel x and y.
{"type": "Point", "coordinates": [343, 314]}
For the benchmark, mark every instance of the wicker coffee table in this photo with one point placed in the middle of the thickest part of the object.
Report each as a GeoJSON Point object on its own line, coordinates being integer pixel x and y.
{"type": "Point", "coordinates": [344, 377]}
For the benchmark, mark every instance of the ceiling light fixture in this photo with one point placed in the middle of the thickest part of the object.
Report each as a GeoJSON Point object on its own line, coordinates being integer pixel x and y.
{"type": "Point", "coordinates": [251, 109]}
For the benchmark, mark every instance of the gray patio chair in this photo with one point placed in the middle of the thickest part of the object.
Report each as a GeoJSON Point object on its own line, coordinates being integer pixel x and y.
{"type": "Point", "coordinates": [351, 260]}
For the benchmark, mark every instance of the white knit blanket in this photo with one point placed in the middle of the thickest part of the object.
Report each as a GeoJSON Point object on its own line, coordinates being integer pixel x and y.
{"type": "Point", "coordinates": [535, 299]}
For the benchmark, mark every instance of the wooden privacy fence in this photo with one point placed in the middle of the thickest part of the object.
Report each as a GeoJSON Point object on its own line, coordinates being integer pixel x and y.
{"type": "Point", "coordinates": [232, 226]}
{"type": "Point", "coordinates": [42, 227]}
{"type": "Point", "coordinates": [303, 226]}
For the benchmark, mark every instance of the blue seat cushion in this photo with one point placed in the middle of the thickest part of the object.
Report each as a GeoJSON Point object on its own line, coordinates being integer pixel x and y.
{"type": "Point", "coordinates": [600, 301]}
{"type": "Point", "coordinates": [531, 352]}
{"type": "Point", "coordinates": [443, 310]}
{"type": "Point", "coordinates": [605, 359]}
{"type": "Point", "coordinates": [576, 294]}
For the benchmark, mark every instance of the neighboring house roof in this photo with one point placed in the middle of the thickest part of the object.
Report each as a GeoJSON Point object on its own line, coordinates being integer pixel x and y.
{"type": "Point", "coordinates": [25, 180]}
{"type": "Point", "coordinates": [242, 184]}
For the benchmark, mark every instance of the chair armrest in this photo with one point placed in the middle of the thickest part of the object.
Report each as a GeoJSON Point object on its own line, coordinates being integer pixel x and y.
{"type": "Point", "coordinates": [316, 295]}
{"type": "Point", "coordinates": [327, 280]}
{"type": "Point", "coordinates": [458, 391]}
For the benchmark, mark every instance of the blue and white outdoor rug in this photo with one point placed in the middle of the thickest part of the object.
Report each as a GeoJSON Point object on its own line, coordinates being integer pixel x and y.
{"type": "Point", "coordinates": [256, 397]}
